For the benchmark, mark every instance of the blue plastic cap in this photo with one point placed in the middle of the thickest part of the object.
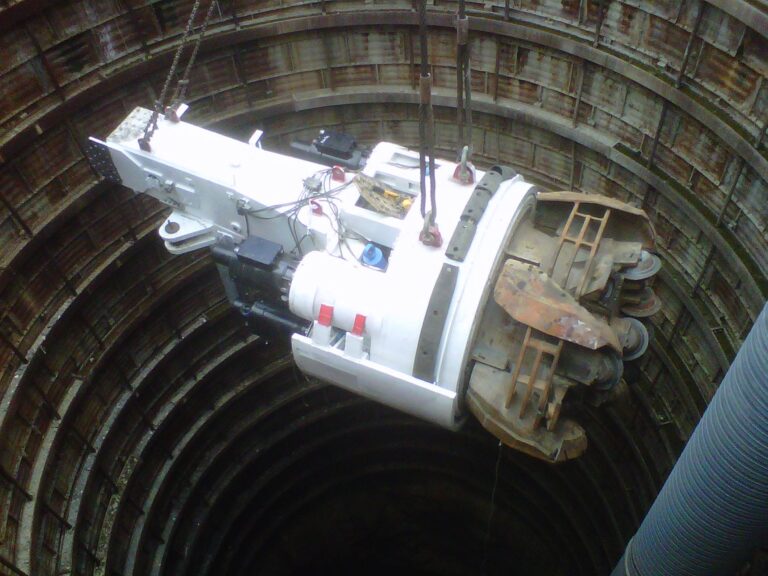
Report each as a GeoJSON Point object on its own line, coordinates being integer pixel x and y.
{"type": "Point", "coordinates": [373, 256]}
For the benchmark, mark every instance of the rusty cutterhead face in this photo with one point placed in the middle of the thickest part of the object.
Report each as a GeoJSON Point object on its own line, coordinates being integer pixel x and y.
{"type": "Point", "coordinates": [578, 268]}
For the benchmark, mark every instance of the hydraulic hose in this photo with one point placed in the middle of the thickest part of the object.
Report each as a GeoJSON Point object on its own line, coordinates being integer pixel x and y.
{"type": "Point", "coordinates": [712, 512]}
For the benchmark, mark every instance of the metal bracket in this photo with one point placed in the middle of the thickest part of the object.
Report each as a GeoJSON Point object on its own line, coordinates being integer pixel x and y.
{"type": "Point", "coordinates": [434, 323]}
{"type": "Point", "coordinates": [101, 161]}
{"type": "Point", "coordinates": [464, 233]}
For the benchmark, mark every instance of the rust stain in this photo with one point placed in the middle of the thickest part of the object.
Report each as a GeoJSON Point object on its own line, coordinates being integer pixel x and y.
{"type": "Point", "coordinates": [701, 148]}
{"type": "Point", "coordinates": [570, 8]}
{"type": "Point", "coordinates": [626, 18]}
{"type": "Point", "coordinates": [534, 299]}
{"type": "Point", "coordinates": [727, 76]}
{"type": "Point", "coordinates": [612, 203]}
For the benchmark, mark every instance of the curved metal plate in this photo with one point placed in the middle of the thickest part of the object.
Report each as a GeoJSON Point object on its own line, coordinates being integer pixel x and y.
{"type": "Point", "coordinates": [533, 298]}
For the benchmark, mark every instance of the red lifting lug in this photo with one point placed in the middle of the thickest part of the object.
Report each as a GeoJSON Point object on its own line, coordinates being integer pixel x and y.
{"type": "Point", "coordinates": [171, 114]}
{"type": "Point", "coordinates": [337, 174]}
{"type": "Point", "coordinates": [464, 173]}
{"type": "Point", "coordinates": [465, 170]}
{"type": "Point", "coordinates": [317, 209]}
{"type": "Point", "coordinates": [430, 236]}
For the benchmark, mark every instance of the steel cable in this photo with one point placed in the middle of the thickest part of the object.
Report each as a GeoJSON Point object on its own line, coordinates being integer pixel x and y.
{"type": "Point", "coordinates": [426, 133]}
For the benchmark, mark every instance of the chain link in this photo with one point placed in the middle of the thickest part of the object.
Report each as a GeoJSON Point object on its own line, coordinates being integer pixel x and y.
{"type": "Point", "coordinates": [181, 86]}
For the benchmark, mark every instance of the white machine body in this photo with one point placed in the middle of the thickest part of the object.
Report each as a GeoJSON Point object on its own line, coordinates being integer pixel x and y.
{"type": "Point", "coordinates": [369, 325]}
{"type": "Point", "coordinates": [395, 304]}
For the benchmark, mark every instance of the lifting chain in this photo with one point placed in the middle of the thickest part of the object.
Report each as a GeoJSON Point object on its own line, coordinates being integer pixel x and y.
{"type": "Point", "coordinates": [181, 87]}
{"type": "Point", "coordinates": [430, 234]}
{"type": "Point", "coordinates": [464, 171]}
{"type": "Point", "coordinates": [463, 81]}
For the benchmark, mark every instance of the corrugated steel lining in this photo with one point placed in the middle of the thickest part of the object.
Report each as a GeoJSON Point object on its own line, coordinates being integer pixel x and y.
{"type": "Point", "coordinates": [755, 52]}
{"type": "Point", "coordinates": [721, 30]}
{"type": "Point", "coordinates": [727, 77]}
{"type": "Point", "coordinates": [660, 40]}
{"type": "Point", "coordinates": [16, 47]}
{"type": "Point", "coordinates": [76, 37]}
{"type": "Point", "coordinates": [685, 143]}
{"type": "Point", "coordinates": [75, 181]}
{"type": "Point", "coordinates": [83, 244]}
{"type": "Point", "coordinates": [208, 83]}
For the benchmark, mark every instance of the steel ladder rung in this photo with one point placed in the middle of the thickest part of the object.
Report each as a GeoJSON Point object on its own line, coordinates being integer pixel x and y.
{"type": "Point", "coordinates": [580, 242]}
{"type": "Point", "coordinates": [542, 348]}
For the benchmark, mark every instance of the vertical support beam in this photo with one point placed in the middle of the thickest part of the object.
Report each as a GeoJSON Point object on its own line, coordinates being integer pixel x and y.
{"type": "Point", "coordinates": [53, 512]}
{"type": "Point", "coordinates": [731, 190]}
{"type": "Point", "coordinates": [412, 58]}
{"type": "Point", "coordinates": [75, 433]}
{"type": "Point", "coordinates": [78, 137]}
{"type": "Point", "coordinates": [46, 64]}
{"type": "Point", "coordinates": [234, 16]}
{"type": "Point", "coordinates": [496, 69]}
{"type": "Point", "coordinates": [54, 264]}
{"type": "Point", "coordinates": [572, 179]}
{"type": "Point", "coordinates": [689, 45]}
{"type": "Point", "coordinates": [237, 59]}
{"type": "Point", "coordinates": [91, 330]}
{"type": "Point", "coordinates": [10, 566]}
{"type": "Point", "coordinates": [683, 317]}
{"type": "Point", "coordinates": [328, 70]}
{"type": "Point", "coordinates": [579, 90]}
{"type": "Point", "coordinates": [761, 135]}
{"type": "Point", "coordinates": [15, 483]}
{"type": "Point", "coordinates": [16, 217]}
{"type": "Point", "coordinates": [662, 117]}
{"type": "Point", "coordinates": [463, 81]}
{"type": "Point", "coordinates": [647, 197]}
{"type": "Point", "coordinates": [16, 352]}
{"type": "Point", "coordinates": [703, 272]}
{"type": "Point", "coordinates": [602, 10]}
{"type": "Point", "coordinates": [90, 553]}
{"type": "Point", "coordinates": [131, 11]}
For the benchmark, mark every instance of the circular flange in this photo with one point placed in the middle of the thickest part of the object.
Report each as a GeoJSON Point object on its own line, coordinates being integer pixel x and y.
{"type": "Point", "coordinates": [617, 371]}
{"type": "Point", "coordinates": [648, 265]}
{"type": "Point", "coordinates": [642, 337]}
{"type": "Point", "coordinates": [648, 306]}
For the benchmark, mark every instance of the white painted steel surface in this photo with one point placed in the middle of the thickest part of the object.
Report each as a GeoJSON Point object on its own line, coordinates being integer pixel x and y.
{"type": "Point", "coordinates": [206, 177]}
